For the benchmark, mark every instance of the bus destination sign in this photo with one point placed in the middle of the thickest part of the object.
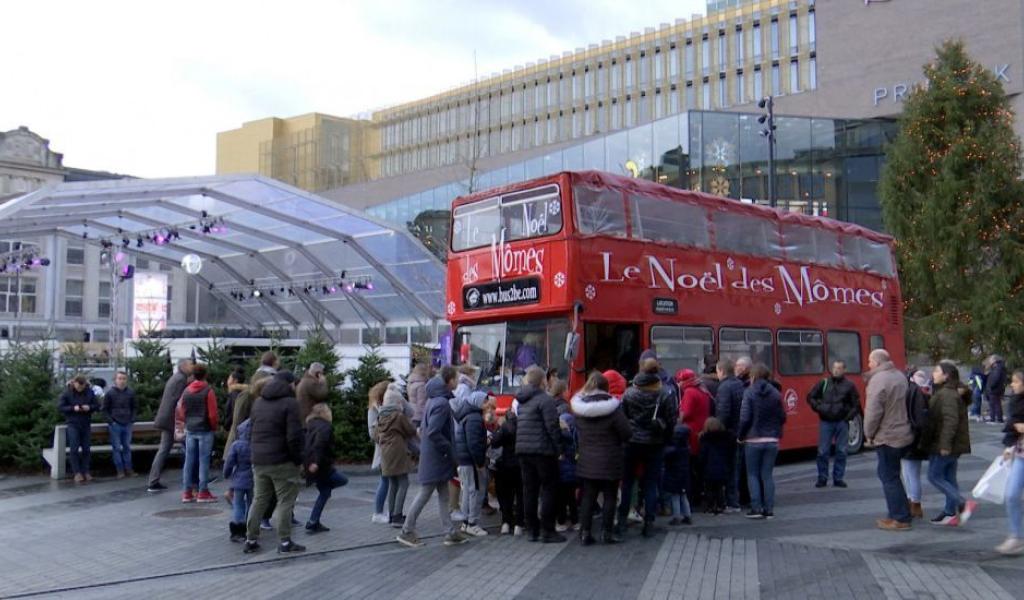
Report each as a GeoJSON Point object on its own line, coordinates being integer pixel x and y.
{"type": "Point", "coordinates": [666, 306]}
{"type": "Point", "coordinates": [501, 293]}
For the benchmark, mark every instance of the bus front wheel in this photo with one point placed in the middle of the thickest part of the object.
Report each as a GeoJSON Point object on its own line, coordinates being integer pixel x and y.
{"type": "Point", "coordinates": [856, 439]}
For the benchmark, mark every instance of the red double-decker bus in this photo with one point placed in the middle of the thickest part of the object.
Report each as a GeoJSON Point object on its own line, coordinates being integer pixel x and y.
{"type": "Point", "coordinates": [584, 270]}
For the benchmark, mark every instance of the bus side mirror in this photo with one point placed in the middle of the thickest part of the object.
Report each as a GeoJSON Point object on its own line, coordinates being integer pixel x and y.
{"type": "Point", "coordinates": [572, 346]}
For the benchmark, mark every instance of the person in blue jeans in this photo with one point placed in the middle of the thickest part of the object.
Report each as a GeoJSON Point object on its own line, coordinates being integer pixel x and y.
{"type": "Point", "coordinates": [1012, 440]}
{"type": "Point", "coordinates": [198, 409]}
{"type": "Point", "coordinates": [835, 399]}
{"type": "Point", "coordinates": [946, 437]}
{"type": "Point", "coordinates": [760, 429]}
{"type": "Point", "coordinates": [319, 462]}
{"type": "Point", "coordinates": [77, 403]}
{"type": "Point", "coordinates": [887, 429]}
{"type": "Point", "coordinates": [120, 406]}
{"type": "Point", "coordinates": [238, 470]}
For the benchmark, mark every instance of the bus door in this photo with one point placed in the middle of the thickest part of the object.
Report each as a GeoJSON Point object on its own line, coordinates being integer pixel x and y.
{"type": "Point", "coordinates": [612, 346]}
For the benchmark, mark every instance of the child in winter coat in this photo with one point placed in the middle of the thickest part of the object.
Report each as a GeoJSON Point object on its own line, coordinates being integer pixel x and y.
{"type": "Point", "coordinates": [508, 478]}
{"type": "Point", "coordinates": [567, 515]}
{"type": "Point", "coordinates": [717, 449]}
{"type": "Point", "coordinates": [675, 479]}
{"type": "Point", "coordinates": [238, 470]}
{"type": "Point", "coordinates": [319, 462]}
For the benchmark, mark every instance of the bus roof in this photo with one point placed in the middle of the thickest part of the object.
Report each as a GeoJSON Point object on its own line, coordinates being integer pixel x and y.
{"type": "Point", "coordinates": [650, 188]}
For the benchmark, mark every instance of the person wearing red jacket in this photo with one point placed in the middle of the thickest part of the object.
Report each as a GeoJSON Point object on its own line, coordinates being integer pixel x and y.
{"type": "Point", "coordinates": [198, 409]}
{"type": "Point", "coordinates": [694, 410]}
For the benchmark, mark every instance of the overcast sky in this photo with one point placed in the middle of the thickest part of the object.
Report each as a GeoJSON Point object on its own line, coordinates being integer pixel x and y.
{"type": "Point", "coordinates": [142, 88]}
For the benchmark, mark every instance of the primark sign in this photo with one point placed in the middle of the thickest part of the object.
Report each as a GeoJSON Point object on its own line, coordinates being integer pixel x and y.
{"type": "Point", "coordinates": [898, 92]}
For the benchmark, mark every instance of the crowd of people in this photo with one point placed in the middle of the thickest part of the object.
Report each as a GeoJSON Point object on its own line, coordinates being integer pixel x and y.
{"type": "Point", "coordinates": [625, 452]}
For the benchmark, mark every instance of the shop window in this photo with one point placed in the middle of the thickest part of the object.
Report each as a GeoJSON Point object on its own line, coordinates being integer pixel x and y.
{"type": "Point", "coordinates": [396, 335]}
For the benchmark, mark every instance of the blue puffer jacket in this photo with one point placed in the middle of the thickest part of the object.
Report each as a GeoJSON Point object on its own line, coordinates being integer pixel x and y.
{"type": "Point", "coordinates": [761, 415]}
{"type": "Point", "coordinates": [437, 450]}
{"type": "Point", "coordinates": [728, 402]}
{"type": "Point", "coordinates": [470, 433]}
{"type": "Point", "coordinates": [238, 464]}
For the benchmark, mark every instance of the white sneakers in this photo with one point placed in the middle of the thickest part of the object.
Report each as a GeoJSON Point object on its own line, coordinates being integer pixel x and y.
{"type": "Point", "coordinates": [474, 530]}
{"type": "Point", "coordinates": [1012, 546]}
{"type": "Point", "coordinates": [381, 518]}
{"type": "Point", "coordinates": [518, 531]}
{"type": "Point", "coordinates": [634, 517]}
{"type": "Point", "coordinates": [505, 529]}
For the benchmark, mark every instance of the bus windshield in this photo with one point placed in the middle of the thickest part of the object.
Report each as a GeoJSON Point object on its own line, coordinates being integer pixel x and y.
{"type": "Point", "coordinates": [517, 216]}
{"type": "Point", "coordinates": [504, 350]}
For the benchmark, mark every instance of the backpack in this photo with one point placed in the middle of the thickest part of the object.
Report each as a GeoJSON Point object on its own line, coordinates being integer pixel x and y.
{"type": "Point", "coordinates": [917, 409]}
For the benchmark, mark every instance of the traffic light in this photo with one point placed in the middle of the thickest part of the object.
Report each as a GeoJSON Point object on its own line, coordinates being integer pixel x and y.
{"type": "Point", "coordinates": [767, 118]}
{"type": "Point", "coordinates": [767, 121]}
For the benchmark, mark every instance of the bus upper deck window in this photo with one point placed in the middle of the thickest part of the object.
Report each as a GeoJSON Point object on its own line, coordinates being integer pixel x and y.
{"type": "Point", "coordinates": [600, 210]}
{"type": "Point", "coordinates": [863, 254]}
{"type": "Point", "coordinates": [664, 220]}
{"type": "Point", "coordinates": [811, 244]}
{"type": "Point", "coordinates": [746, 234]}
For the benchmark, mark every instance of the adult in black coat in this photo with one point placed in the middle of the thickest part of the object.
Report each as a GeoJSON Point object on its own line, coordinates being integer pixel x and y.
{"type": "Point", "coordinates": [77, 403]}
{"type": "Point", "coordinates": [836, 400]}
{"type": "Point", "coordinates": [995, 387]}
{"type": "Point", "coordinates": [538, 445]}
{"type": "Point", "coordinates": [508, 477]}
{"type": "Point", "coordinates": [603, 430]}
{"type": "Point", "coordinates": [319, 462]}
{"type": "Point", "coordinates": [651, 409]}
{"type": "Point", "coordinates": [728, 402]}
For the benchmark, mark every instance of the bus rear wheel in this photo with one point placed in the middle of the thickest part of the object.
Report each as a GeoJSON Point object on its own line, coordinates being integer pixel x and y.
{"type": "Point", "coordinates": [856, 439]}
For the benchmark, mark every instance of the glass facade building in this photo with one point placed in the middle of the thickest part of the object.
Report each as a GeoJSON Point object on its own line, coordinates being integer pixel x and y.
{"type": "Point", "coordinates": [827, 167]}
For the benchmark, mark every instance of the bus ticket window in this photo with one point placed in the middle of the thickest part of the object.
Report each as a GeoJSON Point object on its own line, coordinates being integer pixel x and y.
{"type": "Point", "coordinates": [754, 343]}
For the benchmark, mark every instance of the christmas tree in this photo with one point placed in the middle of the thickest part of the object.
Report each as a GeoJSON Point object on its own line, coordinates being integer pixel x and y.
{"type": "Point", "coordinates": [28, 405]}
{"type": "Point", "coordinates": [148, 372]}
{"type": "Point", "coordinates": [218, 361]}
{"type": "Point", "coordinates": [951, 195]}
{"type": "Point", "coordinates": [350, 413]}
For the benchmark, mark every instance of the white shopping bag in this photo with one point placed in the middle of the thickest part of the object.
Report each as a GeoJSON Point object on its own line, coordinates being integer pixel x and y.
{"type": "Point", "coordinates": [992, 485]}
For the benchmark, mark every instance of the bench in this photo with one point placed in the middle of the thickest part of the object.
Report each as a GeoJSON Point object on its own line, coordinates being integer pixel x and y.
{"type": "Point", "coordinates": [56, 456]}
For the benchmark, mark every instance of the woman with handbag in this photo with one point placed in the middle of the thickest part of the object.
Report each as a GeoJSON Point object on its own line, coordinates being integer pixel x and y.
{"type": "Point", "coordinates": [649, 407]}
{"type": "Point", "coordinates": [1014, 430]}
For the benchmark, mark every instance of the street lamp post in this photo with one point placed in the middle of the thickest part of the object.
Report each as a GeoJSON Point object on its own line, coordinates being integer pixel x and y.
{"type": "Point", "coordinates": [767, 119]}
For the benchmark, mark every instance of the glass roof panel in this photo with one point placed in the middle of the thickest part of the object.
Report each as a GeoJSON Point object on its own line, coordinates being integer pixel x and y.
{"type": "Point", "coordinates": [351, 225]}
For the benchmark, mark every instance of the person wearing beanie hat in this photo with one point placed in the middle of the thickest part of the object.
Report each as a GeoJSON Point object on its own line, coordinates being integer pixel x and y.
{"type": "Point", "coordinates": [393, 433]}
{"type": "Point", "coordinates": [616, 383]}
{"type": "Point", "coordinates": [695, 408]}
{"type": "Point", "coordinates": [471, 455]}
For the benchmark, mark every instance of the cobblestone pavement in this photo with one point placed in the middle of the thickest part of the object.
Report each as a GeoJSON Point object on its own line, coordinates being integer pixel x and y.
{"type": "Point", "coordinates": [111, 539]}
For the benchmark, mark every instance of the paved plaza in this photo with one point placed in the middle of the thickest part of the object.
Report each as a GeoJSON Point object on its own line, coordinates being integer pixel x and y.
{"type": "Point", "coordinates": [111, 539]}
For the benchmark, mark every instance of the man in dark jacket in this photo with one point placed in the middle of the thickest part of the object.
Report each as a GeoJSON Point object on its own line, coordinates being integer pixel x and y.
{"type": "Point", "coordinates": [164, 421]}
{"type": "Point", "coordinates": [836, 401]}
{"type": "Point", "coordinates": [437, 460]}
{"type": "Point", "coordinates": [995, 387]}
{"type": "Point", "coordinates": [277, 448]}
{"type": "Point", "coordinates": [77, 403]}
{"type": "Point", "coordinates": [728, 402]}
{"type": "Point", "coordinates": [120, 407]}
{"type": "Point", "coordinates": [538, 445]}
